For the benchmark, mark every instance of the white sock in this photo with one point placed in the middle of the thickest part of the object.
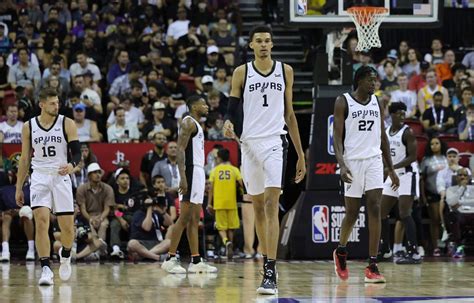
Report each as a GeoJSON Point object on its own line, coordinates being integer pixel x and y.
{"type": "Point", "coordinates": [397, 247]}
{"type": "Point", "coordinates": [31, 245]}
{"type": "Point", "coordinates": [5, 246]}
{"type": "Point", "coordinates": [115, 248]}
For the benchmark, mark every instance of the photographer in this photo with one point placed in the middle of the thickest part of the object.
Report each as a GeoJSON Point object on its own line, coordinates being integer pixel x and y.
{"type": "Point", "coordinates": [146, 230]}
{"type": "Point", "coordinates": [159, 192]}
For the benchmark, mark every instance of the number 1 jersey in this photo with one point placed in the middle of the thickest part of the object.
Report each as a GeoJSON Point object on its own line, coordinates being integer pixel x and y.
{"type": "Point", "coordinates": [362, 131]}
{"type": "Point", "coordinates": [49, 145]}
{"type": "Point", "coordinates": [263, 100]}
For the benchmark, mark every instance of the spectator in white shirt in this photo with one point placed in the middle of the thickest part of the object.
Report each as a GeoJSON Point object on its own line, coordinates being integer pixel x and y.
{"type": "Point", "coordinates": [120, 131]}
{"type": "Point", "coordinates": [89, 97]}
{"type": "Point", "coordinates": [87, 130]}
{"type": "Point", "coordinates": [10, 130]}
{"type": "Point", "coordinates": [24, 73]}
{"type": "Point", "coordinates": [444, 178]}
{"type": "Point", "coordinates": [178, 28]}
{"type": "Point", "coordinates": [408, 97]}
{"type": "Point", "coordinates": [83, 65]}
{"type": "Point", "coordinates": [133, 115]}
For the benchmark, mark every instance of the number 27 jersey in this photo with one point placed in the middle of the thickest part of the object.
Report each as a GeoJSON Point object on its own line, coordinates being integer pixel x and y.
{"type": "Point", "coordinates": [263, 100]}
{"type": "Point", "coordinates": [363, 130]}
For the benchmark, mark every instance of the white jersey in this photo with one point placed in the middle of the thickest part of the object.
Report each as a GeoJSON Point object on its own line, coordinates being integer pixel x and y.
{"type": "Point", "coordinates": [195, 150]}
{"type": "Point", "coordinates": [399, 151]}
{"type": "Point", "coordinates": [49, 145]}
{"type": "Point", "coordinates": [362, 136]}
{"type": "Point", "coordinates": [263, 102]}
{"type": "Point", "coordinates": [11, 134]}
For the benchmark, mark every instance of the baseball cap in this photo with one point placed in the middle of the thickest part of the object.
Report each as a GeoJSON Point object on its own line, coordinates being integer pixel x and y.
{"type": "Point", "coordinates": [121, 170]}
{"type": "Point", "coordinates": [452, 150]}
{"type": "Point", "coordinates": [207, 79]}
{"type": "Point", "coordinates": [159, 105]}
{"type": "Point", "coordinates": [212, 49]}
{"type": "Point", "coordinates": [93, 167]}
{"type": "Point", "coordinates": [392, 54]}
{"type": "Point", "coordinates": [79, 106]}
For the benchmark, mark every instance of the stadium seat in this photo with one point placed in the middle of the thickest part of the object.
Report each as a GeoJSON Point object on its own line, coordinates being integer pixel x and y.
{"type": "Point", "coordinates": [448, 137]}
{"type": "Point", "coordinates": [416, 126]}
{"type": "Point", "coordinates": [421, 140]}
{"type": "Point", "coordinates": [188, 82]}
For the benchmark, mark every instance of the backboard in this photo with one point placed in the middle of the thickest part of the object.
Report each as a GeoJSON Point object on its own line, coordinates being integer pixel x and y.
{"type": "Point", "coordinates": [333, 13]}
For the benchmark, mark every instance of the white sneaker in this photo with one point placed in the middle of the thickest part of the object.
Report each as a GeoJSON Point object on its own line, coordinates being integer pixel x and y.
{"type": "Point", "coordinates": [172, 266]}
{"type": "Point", "coordinates": [65, 269]}
{"type": "Point", "coordinates": [201, 267]}
{"type": "Point", "coordinates": [46, 277]}
{"type": "Point", "coordinates": [5, 256]}
{"type": "Point", "coordinates": [30, 255]}
{"type": "Point", "coordinates": [421, 251]}
{"type": "Point", "coordinates": [116, 252]}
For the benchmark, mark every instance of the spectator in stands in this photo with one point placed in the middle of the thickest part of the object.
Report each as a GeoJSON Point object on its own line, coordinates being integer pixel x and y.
{"type": "Point", "coordinates": [392, 57]}
{"type": "Point", "coordinates": [222, 83]}
{"type": "Point", "coordinates": [444, 69]}
{"type": "Point", "coordinates": [408, 97]}
{"type": "Point", "coordinates": [225, 41]}
{"type": "Point", "coordinates": [24, 73]}
{"type": "Point", "coordinates": [120, 131]}
{"type": "Point", "coordinates": [178, 91]}
{"type": "Point", "coordinates": [25, 104]}
{"type": "Point", "coordinates": [157, 51]}
{"type": "Point", "coordinates": [4, 84]}
{"type": "Point", "coordinates": [426, 94]}
{"type": "Point", "coordinates": [123, 37]}
{"type": "Point", "coordinates": [208, 68]}
{"type": "Point", "coordinates": [418, 81]}
{"type": "Point", "coordinates": [122, 85]}
{"type": "Point", "coordinates": [83, 65]}
{"type": "Point", "coordinates": [95, 198]}
{"type": "Point", "coordinates": [457, 98]}
{"type": "Point", "coordinates": [158, 190]}
{"type": "Point", "coordinates": [412, 67]}
{"type": "Point", "coordinates": [14, 57]}
{"type": "Point", "coordinates": [365, 59]}
{"type": "Point", "coordinates": [468, 60]}
{"type": "Point", "coordinates": [133, 115]}
{"type": "Point", "coordinates": [64, 16]}
{"type": "Point", "coordinates": [5, 42]}
{"type": "Point", "coordinates": [466, 99]}
{"type": "Point", "coordinates": [466, 127]}
{"type": "Point", "coordinates": [87, 157]}
{"type": "Point", "coordinates": [433, 162]}
{"type": "Point", "coordinates": [436, 56]}
{"type": "Point", "coordinates": [168, 168]}
{"type": "Point", "coordinates": [460, 199]}
{"type": "Point", "coordinates": [216, 103]}
{"type": "Point", "coordinates": [35, 42]}
{"type": "Point", "coordinates": [389, 83]}
{"type": "Point", "coordinates": [120, 68]}
{"type": "Point", "coordinates": [207, 86]}
{"type": "Point", "coordinates": [459, 72]}
{"type": "Point", "coordinates": [178, 28]}
{"type": "Point", "coordinates": [89, 97]}
{"type": "Point", "coordinates": [55, 70]}
{"type": "Point", "coordinates": [151, 157]}
{"type": "Point", "coordinates": [444, 179]}
{"type": "Point", "coordinates": [438, 118]}
{"type": "Point", "coordinates": [139, 95]}
{"type": "Point", "coordinates": [64, 73]}
{"type": "Point", "coordinates": [54, 83]}
{"type": "Point", "coordinates": [87, 130]}
{"type": "Point", "coordinates": [159, 124]}
{"type": "Point", "coordinates": [10, 130]}
{"type": "Point", "coordinates": [192, 43]}
{"type": "Point", "coordinates": [9, 211]}
{"type": "Point", "coordinates": [52, 30]}
{"type": "Point", "coordinates": [215, 124]}
{"type": "Point", "coordinates": [181, 63]}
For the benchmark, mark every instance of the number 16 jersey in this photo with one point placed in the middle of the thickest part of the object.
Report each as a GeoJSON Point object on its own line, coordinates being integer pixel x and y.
{"type": "Point", "coordinates": [263, 100]}
{"type": "Point", "coordinates": [362, 131]}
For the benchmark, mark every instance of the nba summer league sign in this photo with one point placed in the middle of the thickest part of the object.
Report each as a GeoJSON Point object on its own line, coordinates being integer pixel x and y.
{"type": "Point", "coordinates": [327, 222]}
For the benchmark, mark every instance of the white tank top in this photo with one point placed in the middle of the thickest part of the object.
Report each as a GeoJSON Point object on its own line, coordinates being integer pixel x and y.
{"type": "Point", "coordinates": [362, 132]}
{"type": "Point", "coordinates": [49, 145]}
{"type": "Point", "coordinates": [194, 152]}
{"type": "Point", "coordinates": [84, 132]}
{"type": "Point", "coordinates": [398, 150]}
{"type": "Point", "coordinates": [263, 102]}
{"type": "Point", "coordinates": [11, 134]}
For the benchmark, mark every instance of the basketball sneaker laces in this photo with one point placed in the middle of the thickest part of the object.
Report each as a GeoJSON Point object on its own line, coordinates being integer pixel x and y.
{"type": "Point", "coordinates": [374, 269]}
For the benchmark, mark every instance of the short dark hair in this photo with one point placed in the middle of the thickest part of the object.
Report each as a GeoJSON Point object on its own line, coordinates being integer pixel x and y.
{"type": "Point", "coordinates": [396, 106]}
{"type": "Point", "coordinates": [117, 109]}
{"type": "Point", "coordinates": [388, 62]}
{"type": "Point", "coordinates": [156, 177]}
{"type": "Point", "coordinates": [74, 94]}
{"type": "Point", "coordinates": [465, 89]}
{"type": "Point", "coordinates": [260, 29]}
{"type": "Point", "coordinates": [135, 68]}
{"type": "Point", "coordinates": [223, 154]}
{"type": "Point", "coordinates": [438, 94]}
{"type": "Point", "coordinates": [124, 171]}
{"type": "Point", "coordinates": [362, 73]}
{"type": "Point", "coordinates": [171, 74]}
{"type": "Point", "coordinates": [21, 49]}
{"type": "Point", "coordinates": [458, 66]}
{"type": "Point", "coordinates": [193, 99]}
{"type": "Point", "coordinates": [136, 84]}
{"type": "Point", "coordinates": [46, 93]}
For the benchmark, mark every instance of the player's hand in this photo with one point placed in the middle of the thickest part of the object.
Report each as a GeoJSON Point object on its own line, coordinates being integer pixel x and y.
{"type": "Point", "coordinates": [346, 174]}
{"type": "Point", "coordinates": [300, 170]}
{"type": "Point", "coordinates": [19, 198]}
{"type": "Point", "coordinates": [229, 130]}
{"type": "Point", "coordinates": [66, 169]}
{"type": "Point", "coordinates": [183, 186]}
{"type": "Point", "coordinates": [210, 209]}
{"type": "Point", "coordinates": [395, 181]}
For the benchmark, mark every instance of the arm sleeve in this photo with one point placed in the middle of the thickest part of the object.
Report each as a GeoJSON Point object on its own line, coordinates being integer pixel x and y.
{"type": "Point", "coordinates": [232, 107]}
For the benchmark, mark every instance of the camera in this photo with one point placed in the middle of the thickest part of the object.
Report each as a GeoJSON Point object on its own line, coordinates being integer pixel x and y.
{"type": "Point", "coordinates": [140, 197]}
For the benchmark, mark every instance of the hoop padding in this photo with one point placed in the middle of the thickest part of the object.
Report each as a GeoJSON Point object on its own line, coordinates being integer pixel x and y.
{"type": "Point", "coordinates": [367, 20]}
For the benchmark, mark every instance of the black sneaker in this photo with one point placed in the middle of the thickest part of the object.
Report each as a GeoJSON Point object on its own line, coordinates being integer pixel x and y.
{"type": "Point", "coordinates": [409, 259]}
{"type": "Point", "coordinates": [268, 286]}
{"type": "Point", "coordinates": [384, 256]}
{"type": "Point", "coordinates": [398, 255]}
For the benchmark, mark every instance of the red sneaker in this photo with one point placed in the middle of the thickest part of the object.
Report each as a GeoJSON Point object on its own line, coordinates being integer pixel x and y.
{"type": "Point", "coordinates": [340, 265]}
{"type": "Point", "coordinates": [372, 274]}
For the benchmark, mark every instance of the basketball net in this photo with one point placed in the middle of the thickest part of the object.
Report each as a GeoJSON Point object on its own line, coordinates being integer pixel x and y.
{"type": "Point", "coordinates": [367, 20]}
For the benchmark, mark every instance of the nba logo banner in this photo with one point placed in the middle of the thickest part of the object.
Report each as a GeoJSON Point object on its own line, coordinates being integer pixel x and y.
{"type": "Point", "coordinates": [320, 224]}
{"type": "Point", "coordinates": [331, 135]}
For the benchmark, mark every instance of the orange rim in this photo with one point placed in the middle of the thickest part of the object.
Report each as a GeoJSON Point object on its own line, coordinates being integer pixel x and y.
{"type": "Point", "coordinates": [363, 14]}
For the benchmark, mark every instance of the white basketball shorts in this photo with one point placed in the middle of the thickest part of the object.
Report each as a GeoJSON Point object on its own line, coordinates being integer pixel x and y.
{"type": "Point", "coordinates": [264, 163]}
{"type": "Point", "coordinates": [196, 178]}
{"type": "Point", "coordinates": [52, 191]}
{"type": "Point", "coordinates": [367, 174]}
{"type": "Point", "coordinates": [408, 185]}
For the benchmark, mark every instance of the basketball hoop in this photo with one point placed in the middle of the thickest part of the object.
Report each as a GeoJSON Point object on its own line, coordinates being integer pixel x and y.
{"type": "Point", "coordinates": [367, 20]}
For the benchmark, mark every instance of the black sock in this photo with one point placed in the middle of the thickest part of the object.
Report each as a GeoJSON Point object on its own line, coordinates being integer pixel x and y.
{"type": "Point", "coordinates": [342, 250]}
{"type": "Point", "coordinates": [410, 232]}
{"type": "Point", "coordinates": [270, 266]}
{"type": "Point", "coordinates": [170, 256]}
{"type": "Point", "coordinates": [265, 261]}
{"type": "Point", "coordinates": [196, 259]}
{"type": "Point", "coordinates": [385, 247]}
{"type": "Point", "coordinates": [65, 253]}
{"type": "Point", "coordinates": [372, 260]}
{"type": "Point", "coordinates": [45, 262]}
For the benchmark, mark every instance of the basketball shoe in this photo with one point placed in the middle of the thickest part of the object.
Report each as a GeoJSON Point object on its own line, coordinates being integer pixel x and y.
{"type": "Point", "coordinates": [201, 267]}
{"type": "Point", "coordinates": [372, 274]}
{"type": "Point", "coordinates": [172, 266]}
{"type": "Point", "coordinates": [65, 269]}
{"type": "Point", "coordinates": [46, 277]}
{"type": "Point", "coordinates": [340, 265]}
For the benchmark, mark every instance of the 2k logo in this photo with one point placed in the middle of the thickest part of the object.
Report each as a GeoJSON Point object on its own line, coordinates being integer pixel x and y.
{"type": "Point", "coordinates": [325, 169]}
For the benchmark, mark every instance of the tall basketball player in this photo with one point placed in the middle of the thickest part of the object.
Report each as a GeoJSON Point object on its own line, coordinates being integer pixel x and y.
{"type": "Point", "coordinates": [360, 142]}
{"type": "Point", "coordinates": [192, 182]}
{"type": "Point", "coordinates": [403, 152]}
{"type": "Point", "coordinates": [265, 87]}
{"type": "Point", "coordinates": [49, 136]}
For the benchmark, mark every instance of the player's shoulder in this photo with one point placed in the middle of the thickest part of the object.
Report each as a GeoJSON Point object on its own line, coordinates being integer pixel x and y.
{"type": "Point", "coordinates": [240, 70]}
{"type": "Point", "coordinates": [287, 67]}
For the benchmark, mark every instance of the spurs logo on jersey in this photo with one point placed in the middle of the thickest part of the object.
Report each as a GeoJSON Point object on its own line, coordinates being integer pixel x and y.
{"type": "Point", "coordinates": [264, 102]}
{"type": "Point", "coordinates": [398, 149]}
{"type": "Point", "coordinates": [194, 152]}
{"type": "Point", "coordinates": [362, 137]}
{"type": "Point", "coordinates": [49, 145]}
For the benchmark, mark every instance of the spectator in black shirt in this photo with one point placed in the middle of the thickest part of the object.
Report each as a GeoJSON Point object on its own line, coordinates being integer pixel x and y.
{"type": "Point", "coordinates": [459, 71]}
{"type": "Point", "coordinates": [182, 64]}
{"type": "Point", "coordinates": [466, 99]}
{"type": "Point", "coordinates": [438, 118]}
{"type": "Point", "coordinates": [151, 157]}
{"type": "Point", "coordinates": [178, 91]}
{"type": "Point", "coordinates": [52, 29]}
{"type": "Point", "coordinates": [159, 123]}
{"type": "Point", "coordinates": [192, 42]}
{"type": "Point", "coordinates": [158, 191]}
{"type": "Point", "coordinates": [208, 68]}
